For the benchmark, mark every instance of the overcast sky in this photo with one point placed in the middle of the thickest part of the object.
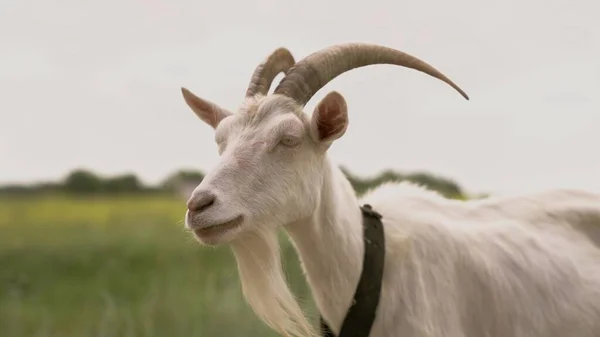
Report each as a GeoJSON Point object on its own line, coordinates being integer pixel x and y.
{"type": "Point", "coordinates": [96, 84]}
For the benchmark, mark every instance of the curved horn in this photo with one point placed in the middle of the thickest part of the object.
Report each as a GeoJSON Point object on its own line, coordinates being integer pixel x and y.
{"type": "Point", "coordinates": [279, 60]}
{"type": "Point", "coordinates": [316, 70]}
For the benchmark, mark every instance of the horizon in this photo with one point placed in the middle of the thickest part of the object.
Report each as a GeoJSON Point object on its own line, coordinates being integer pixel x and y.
{"type": "Point", "coordinates": [161, 180]}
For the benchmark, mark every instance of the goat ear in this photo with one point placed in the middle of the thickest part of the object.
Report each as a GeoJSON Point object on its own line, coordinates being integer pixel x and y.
{"type": "Point", "coordinates": [209, 112]}
{"type": "Point", "coordinates": [330, 118]}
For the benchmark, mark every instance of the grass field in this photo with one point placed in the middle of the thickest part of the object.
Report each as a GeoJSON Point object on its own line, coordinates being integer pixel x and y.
{"type": "Point", "coordinates": [119, 266]}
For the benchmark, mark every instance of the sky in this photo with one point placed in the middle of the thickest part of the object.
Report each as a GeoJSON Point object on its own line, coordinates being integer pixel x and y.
{"type": "Point", "coordinates": [96, 84]}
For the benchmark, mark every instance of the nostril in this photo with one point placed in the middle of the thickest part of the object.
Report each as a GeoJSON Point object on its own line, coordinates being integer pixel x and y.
{"type": "Point", "coordinates": [200, 201]}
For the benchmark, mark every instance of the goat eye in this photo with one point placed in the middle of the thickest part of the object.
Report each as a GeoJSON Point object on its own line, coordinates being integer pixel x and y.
{"type": "Point", "coordinates": [289, 141]}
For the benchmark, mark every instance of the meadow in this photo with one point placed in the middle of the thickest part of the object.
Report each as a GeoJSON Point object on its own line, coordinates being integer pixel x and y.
{"type": "Point", "coordinates": [118, 266]}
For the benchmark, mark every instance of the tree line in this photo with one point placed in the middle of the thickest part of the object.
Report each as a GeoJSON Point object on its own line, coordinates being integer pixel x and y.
{"type": "Point", "coordinates": [86, 182]}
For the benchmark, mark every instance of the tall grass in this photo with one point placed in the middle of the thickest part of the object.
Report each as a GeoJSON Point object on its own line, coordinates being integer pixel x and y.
{"type": "Point", "coordinates": [121, 266]}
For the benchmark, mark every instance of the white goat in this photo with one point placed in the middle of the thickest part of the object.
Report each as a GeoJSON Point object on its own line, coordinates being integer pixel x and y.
{"type": "Point", "coordinates": [497, 267]}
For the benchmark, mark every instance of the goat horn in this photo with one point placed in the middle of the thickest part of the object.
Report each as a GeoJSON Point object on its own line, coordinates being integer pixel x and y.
{"type": "Point", "coordinates": [280, 60]}
{"type": "Point", "coordinates": [310, 74]}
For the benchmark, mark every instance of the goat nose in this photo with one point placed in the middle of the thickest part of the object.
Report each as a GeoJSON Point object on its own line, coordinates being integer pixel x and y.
{"type": "Point", "coordinates": [200, 201]}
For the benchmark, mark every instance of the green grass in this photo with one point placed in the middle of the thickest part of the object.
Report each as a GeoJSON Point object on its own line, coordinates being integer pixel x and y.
{"type": "Point", "coordinates": [114, 267]}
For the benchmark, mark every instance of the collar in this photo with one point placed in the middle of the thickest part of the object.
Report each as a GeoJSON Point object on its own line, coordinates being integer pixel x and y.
{"type": "Point", "coordinates": [361, 314]}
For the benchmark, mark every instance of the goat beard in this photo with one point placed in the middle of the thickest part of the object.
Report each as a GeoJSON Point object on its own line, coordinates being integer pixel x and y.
{"type": "Point", "coordinates": [264, 285]}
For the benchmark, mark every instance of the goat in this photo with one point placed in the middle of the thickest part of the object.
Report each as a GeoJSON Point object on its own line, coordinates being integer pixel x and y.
{"type": "Point", "coordinates": [496, 267]}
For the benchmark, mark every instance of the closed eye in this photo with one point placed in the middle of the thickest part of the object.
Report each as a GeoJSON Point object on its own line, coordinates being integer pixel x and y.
{"type": "Point", "coordinates": [290, 141]}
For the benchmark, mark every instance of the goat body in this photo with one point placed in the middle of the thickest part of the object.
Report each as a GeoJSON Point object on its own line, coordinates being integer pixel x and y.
{"type": "Point", "coordinates": [510, 266]}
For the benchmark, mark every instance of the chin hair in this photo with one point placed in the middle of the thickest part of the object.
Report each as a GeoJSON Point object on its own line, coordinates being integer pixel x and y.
{"type": "Point", "coordinates": [264, 285]}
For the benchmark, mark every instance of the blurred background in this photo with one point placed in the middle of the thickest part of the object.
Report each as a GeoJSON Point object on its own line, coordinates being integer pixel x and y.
{"type": "Point", "coordinates": [98, 150]}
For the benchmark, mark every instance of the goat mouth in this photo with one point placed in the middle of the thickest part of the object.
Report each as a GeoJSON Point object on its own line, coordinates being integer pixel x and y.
{"type": "Point", "coordinates": [218, 229]}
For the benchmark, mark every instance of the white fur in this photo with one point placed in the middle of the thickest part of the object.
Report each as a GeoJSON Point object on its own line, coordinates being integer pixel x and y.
{"type": "Point", "coordinates": [512, 266]}
{"type": "Point", "coordinates": [497, 267]}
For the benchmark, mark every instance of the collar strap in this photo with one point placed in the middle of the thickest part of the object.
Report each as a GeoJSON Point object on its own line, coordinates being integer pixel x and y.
{"type": "Point", "coordinates": [361, 314]}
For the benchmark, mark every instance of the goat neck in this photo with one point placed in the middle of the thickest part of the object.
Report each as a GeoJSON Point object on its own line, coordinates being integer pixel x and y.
{"type": "Point", "coordinates": [330, 246]}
